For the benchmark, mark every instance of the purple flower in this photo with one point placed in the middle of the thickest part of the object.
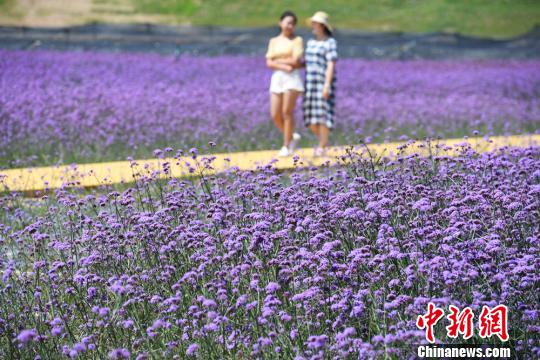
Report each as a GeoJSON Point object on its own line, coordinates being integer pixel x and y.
{"type": "Point", "coordinates": [117, 354]}
{"type": "Point", "coordinates": [272, 287]}
{"type": "Point", "coordinates": [422, 205]}
{"type": "Point", "coordinates": [209, 303]}
{"type": "Point", "coordinates": [79, 347]}
{"type": "Point", "coordinates": [27, 335]}
{"type": "Point", "coordinates": [57, 330]}
{"type": "Point", "coordinates": [242, 299]}
{"type": "Point", "coordinates": [192, 349]}
{"type": "Point", "coordinates": [306, 295]}
{"type": "Point", "coordinates": [317, 342]}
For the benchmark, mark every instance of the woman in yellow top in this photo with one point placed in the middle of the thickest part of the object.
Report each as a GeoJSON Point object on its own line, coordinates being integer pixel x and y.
{"type": "Point", "coordinates": [284, 57]}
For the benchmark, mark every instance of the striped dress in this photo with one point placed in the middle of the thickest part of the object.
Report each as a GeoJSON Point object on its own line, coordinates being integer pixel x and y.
{"type": "Point", "coordinates": [317, 110]}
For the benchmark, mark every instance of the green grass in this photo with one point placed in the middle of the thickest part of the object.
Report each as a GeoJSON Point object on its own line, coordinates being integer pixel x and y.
{"type": "Point", "coordinates": [181, 7]}
{"type": "Point", "coordinates": [495, 18]}
{"type": "Point", "coordinates": [5, 3]}
{"type": "Point", "coordinates": [9, 9]}
{"type": "Point", "coordinates": [487, 18]}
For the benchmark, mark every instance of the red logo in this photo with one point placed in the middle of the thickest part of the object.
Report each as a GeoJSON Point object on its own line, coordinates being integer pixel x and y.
{"type": "Point", "coordinates": [460, 322]}
{"type": "Point", "coordinates": [491, 322]}
{"type": "Point", "coordinates": [494, 322]}
{"type": "Point", "coordinates": [429, 320]}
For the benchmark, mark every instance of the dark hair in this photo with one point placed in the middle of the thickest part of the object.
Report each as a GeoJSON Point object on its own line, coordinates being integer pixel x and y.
{"type": "Point", "coordinates": [289, 13]}
{"type": "Point", "coordinates": [327, 30]}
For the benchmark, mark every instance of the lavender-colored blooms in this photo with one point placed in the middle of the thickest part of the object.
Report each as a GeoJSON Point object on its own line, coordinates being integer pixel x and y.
{"type": "Point", "coordinates": [118, 354]}
{"type": "Point", "coordinates": [317, 263]}
{"type": "Point", "coordinates": [27, 335]}
{"type": "Point", "coordinates": [84, 105]}
{"type": "Point", "coordinates": [192, 349]}
{"type": "Point", "coordinates": [272, 287]}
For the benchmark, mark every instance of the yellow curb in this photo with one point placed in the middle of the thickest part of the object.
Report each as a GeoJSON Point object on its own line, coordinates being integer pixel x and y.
{"type": "Point", "coordinates": [115, 172]}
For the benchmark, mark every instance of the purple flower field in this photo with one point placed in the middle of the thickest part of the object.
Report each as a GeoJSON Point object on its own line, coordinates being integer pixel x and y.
{"type": "Point", "coordinates": [319, 263]}
{"type": "Point", "coordinates": [81, 106]}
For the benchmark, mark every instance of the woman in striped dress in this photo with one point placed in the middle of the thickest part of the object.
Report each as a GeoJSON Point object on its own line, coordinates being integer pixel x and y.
{"type": "Point", "coordinates": [320, 84]}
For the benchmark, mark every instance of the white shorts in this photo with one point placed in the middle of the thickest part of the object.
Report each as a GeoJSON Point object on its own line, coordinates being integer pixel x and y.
{"type": "Point", "coordinates": [283, 81]}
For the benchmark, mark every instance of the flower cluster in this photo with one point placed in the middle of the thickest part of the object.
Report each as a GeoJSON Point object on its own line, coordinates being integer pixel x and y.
{"type": "Point", "coordinates": [312, 264]}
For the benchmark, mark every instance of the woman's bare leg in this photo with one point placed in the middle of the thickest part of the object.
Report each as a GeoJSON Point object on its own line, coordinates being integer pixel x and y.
{"type": "Point", "coordinates": [276, 101]}
{"type": "Point", "coordinates": [324, 132]}
{"type": "Point", "coordinates": [289, 102]}
{"type": "Point", "coordinates": [315, 130]}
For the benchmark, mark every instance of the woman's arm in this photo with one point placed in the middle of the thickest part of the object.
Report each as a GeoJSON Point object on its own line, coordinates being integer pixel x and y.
{"type": "Point", "coordinates": [294, 62]}
{"type": "Point", "coordinates": [331, 57]}
{"type": "Point", "coordinates": [277, 65]}
{"type": "Point", "coordinates": [286, 63]}
{"type": "Point", "coordinates": [328, 79]}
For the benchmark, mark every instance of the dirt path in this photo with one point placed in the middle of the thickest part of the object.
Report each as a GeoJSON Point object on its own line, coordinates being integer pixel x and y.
{"type": "Point", "coordinates": [57, 13]}
{"type": "Point", "coordinates": [96, 174]}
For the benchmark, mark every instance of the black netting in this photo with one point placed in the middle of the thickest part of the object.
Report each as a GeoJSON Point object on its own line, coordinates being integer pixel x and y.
{"type": "Point", "coordinates": [253, 41]}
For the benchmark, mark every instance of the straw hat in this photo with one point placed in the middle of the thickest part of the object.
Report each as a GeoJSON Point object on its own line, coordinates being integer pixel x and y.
{"type": "Point", "coordinates": [321, 17]}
